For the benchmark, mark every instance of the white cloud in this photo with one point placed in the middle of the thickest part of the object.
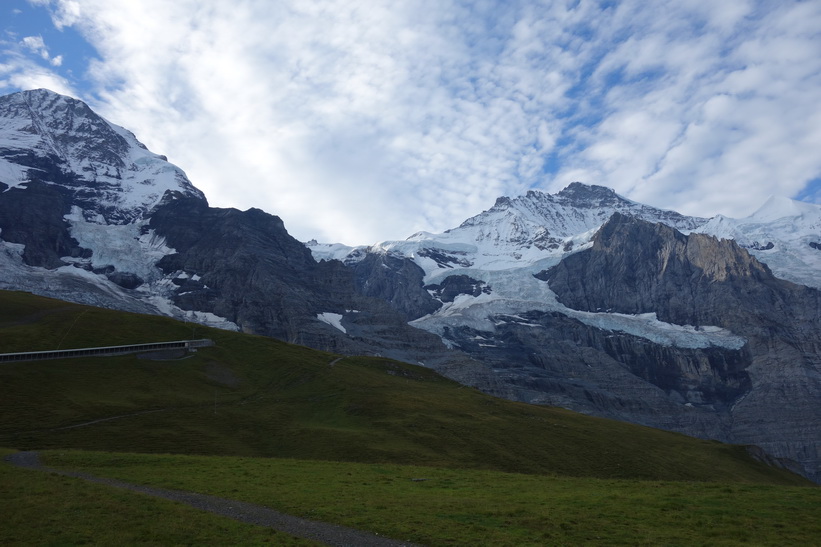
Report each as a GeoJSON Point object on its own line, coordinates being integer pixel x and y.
{"type": "Point", "coordinates": [730, 113]}
{"type": "Point", "coordinates": [64, 13]}
{"type": "Point", "coordinates": [358, 121]}
{"type": "Point", "coordinates": [36, 45]}
{"type": "Point", "coordinates": [17, 72]}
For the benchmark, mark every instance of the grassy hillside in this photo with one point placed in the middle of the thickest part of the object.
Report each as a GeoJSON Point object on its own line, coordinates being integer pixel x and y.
{"type": "Point", "coordinates": [45, 509]}
{"type": "Point", "coordinates": [253, 396]}
{"type": "Point", "coordinates": [437, 506]}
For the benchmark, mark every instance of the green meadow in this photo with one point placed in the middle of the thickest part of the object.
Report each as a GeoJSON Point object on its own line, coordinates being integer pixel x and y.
{"type": "Point", "coordinates": [369, 443]}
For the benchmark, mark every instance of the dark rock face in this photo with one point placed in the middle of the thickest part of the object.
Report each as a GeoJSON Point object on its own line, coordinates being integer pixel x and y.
{"type": "Point", "coordinates": [637, 267]}
{"type": "Point", "coordinates": [454, 285]}
{"type": "Point", "coordinates": [125, 280]}
{"type": "Point", "coordinates": [244, 266]}
{"type": "Point", "coordinates": [241, 256]}
{"type": "Point", "coordinates": [396, 280]}
{"type": "Point", "coordinates": [446, 260]}
{"type": "Point", "coordinates": [762, 247]}
{"type": "Point", "coordinates": [566, 363]}
{"type": "Point", "coordinates": [771, 390]}
{"type": "Point", "coordinates": [34, 217]}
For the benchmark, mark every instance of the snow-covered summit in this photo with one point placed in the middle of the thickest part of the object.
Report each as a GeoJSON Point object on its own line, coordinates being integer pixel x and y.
{"type": "Point", "coordinates": [777, 208]}
{"type": "Point", "coordinates": [543, 219]}
{"type": "Point", "coordinates": [76, 198]}
{"type": "Point", "coordinates": [60, 140]}
{"type": "Point", "coordinates": [783, 233]}
{"type": "Point", "coordinates": [516, 232]}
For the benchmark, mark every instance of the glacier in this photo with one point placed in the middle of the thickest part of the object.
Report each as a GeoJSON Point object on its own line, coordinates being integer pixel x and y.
{"type": "Point", "coordinates": [507, 245]}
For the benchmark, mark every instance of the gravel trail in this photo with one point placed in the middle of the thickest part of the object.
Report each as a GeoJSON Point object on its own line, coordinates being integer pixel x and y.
{"type": "Point", "coordinates": [329, 534]}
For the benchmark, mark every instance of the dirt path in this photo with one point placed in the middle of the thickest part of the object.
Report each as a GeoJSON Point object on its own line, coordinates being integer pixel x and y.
{"type": "Point", "coordinates": [92, 422]}
{"type": "Point", "coordinates": [328, 534]}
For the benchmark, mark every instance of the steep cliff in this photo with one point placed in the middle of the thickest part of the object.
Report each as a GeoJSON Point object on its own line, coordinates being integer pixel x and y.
{"type": "Point", "coordinates": [635, 267]}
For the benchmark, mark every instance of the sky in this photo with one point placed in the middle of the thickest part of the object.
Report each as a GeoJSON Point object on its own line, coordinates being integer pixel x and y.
{"type": "Point", "coordinates": [363, 121]}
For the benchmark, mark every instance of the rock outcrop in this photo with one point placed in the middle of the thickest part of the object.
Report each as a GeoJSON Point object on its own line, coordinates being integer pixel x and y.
{"type": "Point", "coordinates": [396, 280]}
{"type": "Point", "coordinates": [771, 390]}
{"type": "Point", "coordinates": [245, 267]}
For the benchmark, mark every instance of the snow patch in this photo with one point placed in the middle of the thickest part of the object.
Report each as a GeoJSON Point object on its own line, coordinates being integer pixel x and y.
{"type": "Point", "coordinates": [331, 251]}
{"type": "Point", "coordinates": [13, 175]}
{"type": "Point", "coordinates": [199, 317]}
{"type": "Point", "coordinates": [332, 319]}
{"type": "Point", "coordinates": [517, 292]}
{"type": "Point", "coordinates": [648, 326]}
{"type": "Point", "coordinates": [122, 246]}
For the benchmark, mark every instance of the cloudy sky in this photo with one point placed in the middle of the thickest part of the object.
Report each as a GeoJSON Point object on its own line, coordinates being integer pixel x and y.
{"type": "Point", "coordinates": [360, 121]}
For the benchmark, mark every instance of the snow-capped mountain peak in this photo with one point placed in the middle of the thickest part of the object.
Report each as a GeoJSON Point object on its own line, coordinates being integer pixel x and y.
{"type": "Point", "coordinates": [588, 196]}
{"type": "Point", "coordinates": [783, 233]}
{"type": "Point", "coordinates": [76, 196]}
{"type": "Point", "coordinates": [543, 219]}
{"type": "Point", "coordinates": [515, 232]}
{"type": "Point", "coordinates": [777, 207]}
{"type": "Point", "coordinates": [60, 140]}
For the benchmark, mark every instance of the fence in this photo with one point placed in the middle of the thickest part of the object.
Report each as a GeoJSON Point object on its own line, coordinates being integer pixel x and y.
{"type": "Point", "coordinates": [188, 345]}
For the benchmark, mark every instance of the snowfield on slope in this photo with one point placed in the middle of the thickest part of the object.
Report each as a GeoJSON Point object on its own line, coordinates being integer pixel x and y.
{"type": "Point", "coordinates": [779, 234]}
{"type": "Point", "coordinates": [506, 245]}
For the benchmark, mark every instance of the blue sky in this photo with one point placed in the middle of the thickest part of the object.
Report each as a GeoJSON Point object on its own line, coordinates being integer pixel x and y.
{"type": "Point", "coordinates": [365, 121]}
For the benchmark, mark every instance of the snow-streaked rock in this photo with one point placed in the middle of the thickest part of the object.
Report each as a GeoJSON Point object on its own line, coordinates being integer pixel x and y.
{"type": "Point", "coordinates": [780, 234]}
{"type": "Point", "coordinates": [115, 177]}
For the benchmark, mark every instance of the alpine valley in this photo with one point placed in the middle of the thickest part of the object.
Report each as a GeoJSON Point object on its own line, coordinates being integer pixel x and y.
{"type": "Point", "coordinates": [581, 299]}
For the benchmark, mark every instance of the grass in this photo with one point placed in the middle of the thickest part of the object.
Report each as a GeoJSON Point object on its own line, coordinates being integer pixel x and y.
{"type": "Point", "coordinates": [437, 506]}
{"type": "Point", "coordinates": [260, 420]}
{"type": "Point", "coordinates": [47, 509]}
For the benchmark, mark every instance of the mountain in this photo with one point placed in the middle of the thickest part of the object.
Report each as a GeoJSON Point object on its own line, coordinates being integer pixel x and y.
{"type": "Point", "coordinates": [783, 233]}
{"type": "Point", "coordinates": [581, 299]}
{"type": "Point", "coordinates": [64, 155]}
{"type": "Point", "coordinates": [592, 302]}
{"type": "Point", "coordinates": [88, 214]}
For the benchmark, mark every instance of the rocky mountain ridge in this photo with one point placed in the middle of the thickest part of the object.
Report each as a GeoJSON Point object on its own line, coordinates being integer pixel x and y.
{"type": "Point", "coordinates": [581, 299]}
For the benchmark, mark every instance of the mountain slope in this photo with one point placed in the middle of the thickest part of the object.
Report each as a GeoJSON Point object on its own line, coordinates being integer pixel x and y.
{"type": "Point", "coordinates": [254, 396]}
{"type": "Point", "coordinates": [634, 267]}
{"type": "Point", "coordinates": [682, 332]}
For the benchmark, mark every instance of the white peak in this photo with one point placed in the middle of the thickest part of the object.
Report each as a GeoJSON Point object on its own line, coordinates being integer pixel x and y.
{"type": "Point", "coordinates": [102, 164]}
{"type": "Point", "coordinates": [421, 236]}
{"type": "Point", "coordinates": [776, 208]}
